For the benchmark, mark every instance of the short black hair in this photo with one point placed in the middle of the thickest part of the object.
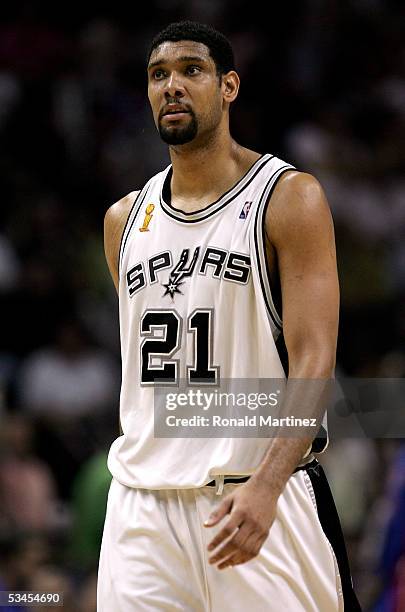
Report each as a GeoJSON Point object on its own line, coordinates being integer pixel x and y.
{"type": "Point", "coordinates": [219, 46]}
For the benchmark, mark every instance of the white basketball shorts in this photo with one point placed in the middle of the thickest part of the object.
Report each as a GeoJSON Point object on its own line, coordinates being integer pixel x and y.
{"type": "Point", "coordinates": [154, 553]}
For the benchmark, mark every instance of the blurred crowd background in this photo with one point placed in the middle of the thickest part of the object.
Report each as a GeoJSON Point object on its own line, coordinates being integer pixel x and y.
{"type": "Point", "coordinates": [323, 86]}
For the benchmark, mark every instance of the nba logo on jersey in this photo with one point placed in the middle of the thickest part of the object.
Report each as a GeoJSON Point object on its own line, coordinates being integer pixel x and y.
{"type": "Point", "coordinates": [245, 210]}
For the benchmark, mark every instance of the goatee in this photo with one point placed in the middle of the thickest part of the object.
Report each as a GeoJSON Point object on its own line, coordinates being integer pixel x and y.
{"type": "Point", "coordinates": [178, 135]}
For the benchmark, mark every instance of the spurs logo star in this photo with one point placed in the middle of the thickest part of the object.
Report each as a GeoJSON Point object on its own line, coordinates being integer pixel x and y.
{"type": "Point", "coordinates": [171, 288]}
{"type": "Point", "coordinates": [179, 272]}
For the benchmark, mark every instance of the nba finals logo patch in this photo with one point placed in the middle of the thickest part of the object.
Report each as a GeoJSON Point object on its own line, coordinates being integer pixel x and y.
{"type": "Point", "coordinates": [148, 216]}
{"type": "Point", "coordinates": [245, 210]}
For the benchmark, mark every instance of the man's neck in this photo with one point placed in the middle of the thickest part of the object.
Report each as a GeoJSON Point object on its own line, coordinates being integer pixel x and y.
{"type": "Point", "coordinates": [202, 174]}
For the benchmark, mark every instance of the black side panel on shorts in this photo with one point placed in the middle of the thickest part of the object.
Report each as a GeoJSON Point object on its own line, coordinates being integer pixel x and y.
{"type": "Point", "coordinates": [329, 520]}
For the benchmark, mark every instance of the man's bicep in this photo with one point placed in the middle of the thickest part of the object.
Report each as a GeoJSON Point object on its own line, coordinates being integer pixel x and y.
{"type": "Point", "coordinates": [301, 230]}
{"type": "Point", "coordinates": [114, 224]}
{"type": "Point", "coordinates": [110, 246]}
{"type": "Point", "coordinates": [110, 251]}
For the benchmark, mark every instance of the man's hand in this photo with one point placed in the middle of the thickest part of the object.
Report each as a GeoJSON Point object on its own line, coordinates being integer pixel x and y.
{"type": "Point", "coordinates": [251, 509]}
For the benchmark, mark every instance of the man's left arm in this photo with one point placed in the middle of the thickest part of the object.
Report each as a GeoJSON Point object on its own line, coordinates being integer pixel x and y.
{"type": "Point", "coordinates": [300, 229]}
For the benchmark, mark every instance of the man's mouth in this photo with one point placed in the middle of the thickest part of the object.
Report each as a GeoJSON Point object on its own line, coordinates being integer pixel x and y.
{"type": "Point", "coordinates": [175, 111]}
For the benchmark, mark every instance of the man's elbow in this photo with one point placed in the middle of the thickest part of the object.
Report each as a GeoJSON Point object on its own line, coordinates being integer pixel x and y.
{"type": "Point", "coordinates": [315, 363]}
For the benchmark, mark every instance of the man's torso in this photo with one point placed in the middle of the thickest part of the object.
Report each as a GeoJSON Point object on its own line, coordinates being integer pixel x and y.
{"type": "Point", "coordinates": [196, 308]}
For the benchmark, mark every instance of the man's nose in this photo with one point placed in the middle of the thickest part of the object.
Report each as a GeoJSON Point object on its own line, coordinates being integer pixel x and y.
{"type": "Point", "coordinates": [174, 87]}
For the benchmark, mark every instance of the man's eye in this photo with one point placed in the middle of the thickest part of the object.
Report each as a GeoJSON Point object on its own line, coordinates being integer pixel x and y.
{"type": "Point", "coordinates": [192, 69]}
{"type": "Point", "coordinates": [158, 74]}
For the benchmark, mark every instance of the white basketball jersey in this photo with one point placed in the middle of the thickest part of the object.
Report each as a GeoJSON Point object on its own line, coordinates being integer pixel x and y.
{"type": "Point", "coordinates": [189, 279]}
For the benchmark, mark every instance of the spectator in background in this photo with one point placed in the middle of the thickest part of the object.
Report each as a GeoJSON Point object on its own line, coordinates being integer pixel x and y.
{"type": "Point", "coordinates": [27, 488]}
{"type": "Point", "coordinates": [20, 557]}
{"type": "Point", "coordinates": [71, 390]}
{"type": "Point", "coordinates": [391, 563]}
{"type": "Point", "coordinates": [87, 596]}
{"type": "Point", "coordinates": [89, 501]}
{"type": "Point", "coordinates": [50, 579]}
{"type": "Point", "coordinates": [68, 380]}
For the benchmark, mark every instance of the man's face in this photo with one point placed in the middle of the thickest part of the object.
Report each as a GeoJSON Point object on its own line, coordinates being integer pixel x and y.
{"type": "Point", "coordinates": [184, 91]}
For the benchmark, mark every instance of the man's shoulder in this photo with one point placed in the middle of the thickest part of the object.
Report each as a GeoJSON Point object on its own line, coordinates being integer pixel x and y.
{"type": "Point", "coordinates": [296, 189]}
{"type": "Point", "coordinates": [295, 180]}
{"type": "Point", "coordinates": [298, 202]}
{"type": "Point", "coordinates": [117, 214]}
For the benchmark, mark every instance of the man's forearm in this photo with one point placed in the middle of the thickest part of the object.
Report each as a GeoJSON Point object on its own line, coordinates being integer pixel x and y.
{"type": "Point", "coordinates": [305, 398]}
{"type": "Point", "coordinates": [281, 460]}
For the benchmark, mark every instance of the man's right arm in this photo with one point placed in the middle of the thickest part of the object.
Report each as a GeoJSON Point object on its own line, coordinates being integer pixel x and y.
{"type": "Point", "coordinates": [114, 224]}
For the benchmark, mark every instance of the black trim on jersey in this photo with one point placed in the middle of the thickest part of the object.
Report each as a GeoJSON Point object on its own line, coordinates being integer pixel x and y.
{"type": "Point", "coordinates": [280, 172]}
{"type": "Point", "coordinates": [275, 291]}
{"type": "Point", "coordinates": [330, 523]}
{"type": "Point", "coordinates": [174, 212]}
{"type": "Point", "coordinates": [282, 352]}
{"type": "Point", "coordinates": [123, 244]}
{"type": "Point", "coordinates": [167, 193]}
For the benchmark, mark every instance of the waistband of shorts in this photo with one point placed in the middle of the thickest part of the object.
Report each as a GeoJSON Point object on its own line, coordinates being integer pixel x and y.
{"type": "Point", "coordinates": [222, 480]}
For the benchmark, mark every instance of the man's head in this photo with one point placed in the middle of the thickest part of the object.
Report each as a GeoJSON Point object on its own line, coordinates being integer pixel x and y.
{"type": "Point", "coordinates": [218, 45]}
{"type": "Point", "coordinates": [191, 81]}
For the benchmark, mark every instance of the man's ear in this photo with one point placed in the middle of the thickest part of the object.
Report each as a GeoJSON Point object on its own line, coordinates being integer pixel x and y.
{"type": "Point", "coordinates": [230, 86]}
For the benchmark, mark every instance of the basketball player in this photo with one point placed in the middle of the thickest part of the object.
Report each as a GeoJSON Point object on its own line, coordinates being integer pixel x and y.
{"type": "Point", "coordinates": [214, 260]}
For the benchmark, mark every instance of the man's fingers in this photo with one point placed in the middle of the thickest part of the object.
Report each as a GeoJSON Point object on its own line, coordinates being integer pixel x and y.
{"type": "Point", "coordinates": [245, 551]}
{"type": "Point", "coordinates": [223, 509]}
{"type": "Point", "coordinates": [236, 559]}
{"type": "Point", "coordinates": [224, 537]}
{"type": "Point", "coordinates": [231, 545]}
{"type": "Point", "coordinates": [229, 561]}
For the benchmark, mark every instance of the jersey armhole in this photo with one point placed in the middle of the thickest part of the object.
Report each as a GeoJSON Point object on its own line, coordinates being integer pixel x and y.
{"type": "Point", "coordinates": [259, 238]}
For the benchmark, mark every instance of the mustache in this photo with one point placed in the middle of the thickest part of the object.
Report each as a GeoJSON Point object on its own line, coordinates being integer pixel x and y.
{"type": "Point", "coordinates": [175, 101]}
